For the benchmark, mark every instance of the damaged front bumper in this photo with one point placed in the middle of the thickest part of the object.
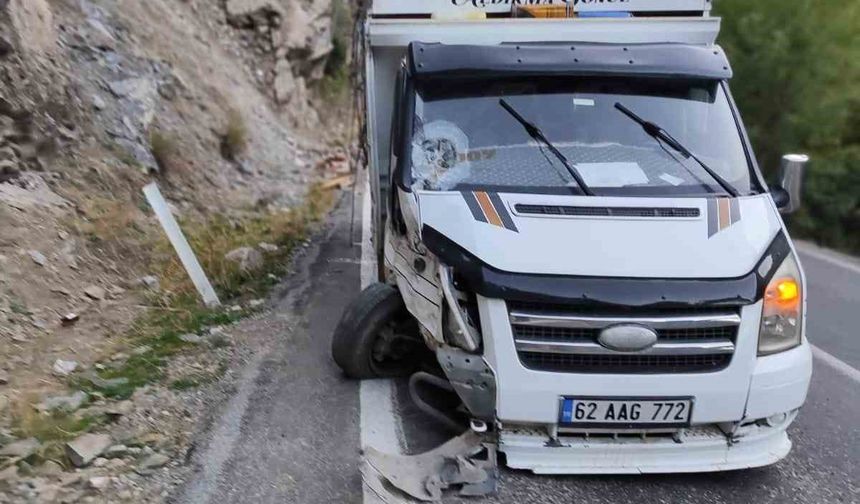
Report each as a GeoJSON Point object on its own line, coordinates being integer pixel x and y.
{"type": "Point", "coordinates": [703, 448]}
{"type": "Point", "coordinates": [466, 463]}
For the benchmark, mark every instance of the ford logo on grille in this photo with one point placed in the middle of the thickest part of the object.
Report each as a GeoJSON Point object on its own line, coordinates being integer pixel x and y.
{"type": "Point", "coordinates": [627, 338]}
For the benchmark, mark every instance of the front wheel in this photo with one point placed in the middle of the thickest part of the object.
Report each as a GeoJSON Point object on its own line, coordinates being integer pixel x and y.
{"type": "Point", "coordinates": [376, 336]}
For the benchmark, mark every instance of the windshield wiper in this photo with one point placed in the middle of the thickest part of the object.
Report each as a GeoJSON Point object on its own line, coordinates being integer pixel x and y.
{"type": "Point", "coordinates": [539, 135]}
{"type": "Point", "coordinates": [658, 133]}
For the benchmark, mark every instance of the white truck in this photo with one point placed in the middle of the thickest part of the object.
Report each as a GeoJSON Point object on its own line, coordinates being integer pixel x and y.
{"type": "Point", "coordinates": [567, 208]}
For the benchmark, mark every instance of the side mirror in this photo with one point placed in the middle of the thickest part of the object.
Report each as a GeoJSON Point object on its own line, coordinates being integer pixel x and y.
{"type": "Point", "coordinates": [788, 195]}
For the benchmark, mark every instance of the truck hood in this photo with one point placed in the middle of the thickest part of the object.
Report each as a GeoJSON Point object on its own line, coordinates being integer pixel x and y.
{"type": "Point", "coordinates": [605, 236]}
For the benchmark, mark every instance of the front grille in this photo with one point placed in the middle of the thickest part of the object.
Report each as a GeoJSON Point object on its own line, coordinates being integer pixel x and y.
{"type": "Point", "coordinates": [555, 333]}
{"type": "Point", "coordinates": [688, 341]}
{"type": "Point", "coordinates": [585, 211]}
{"type": "Point", "coordinates": [699, 333]}
{"type": "Point", "coordinates": [543, 333]}
{"type": "Point", "coordinates": [623, 364]}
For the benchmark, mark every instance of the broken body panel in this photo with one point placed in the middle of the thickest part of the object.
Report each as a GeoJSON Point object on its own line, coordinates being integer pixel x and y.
{"type": "Point", "coordinates": [516, 284]}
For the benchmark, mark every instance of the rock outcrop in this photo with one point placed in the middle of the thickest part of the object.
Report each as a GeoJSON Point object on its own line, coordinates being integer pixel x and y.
{"type": "Point", "coordinates": [293, 38]}
{"type": "Point", "coordinates": [33, 22]}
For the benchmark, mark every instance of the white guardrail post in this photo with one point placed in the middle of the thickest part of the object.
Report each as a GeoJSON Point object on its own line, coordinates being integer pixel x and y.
{"type": "Point", "coordinates": [180, 244]}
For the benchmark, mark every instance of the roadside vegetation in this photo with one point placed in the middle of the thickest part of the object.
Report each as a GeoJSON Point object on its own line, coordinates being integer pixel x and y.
{"type": "Point", "coordinates": [175, 310]}
{"type": "Point", "coordinates": [334, 94]}
{"type": "Point", "coordinates": [796, 74]}
{"type": "Point", "coordinates": [234, 141]}
{"type": "Point", "coordinates": [52, 429]}
{"type": "Point", "coordinates": [334, 86]}
{"type": "Point", "coordinates": [164, 150]}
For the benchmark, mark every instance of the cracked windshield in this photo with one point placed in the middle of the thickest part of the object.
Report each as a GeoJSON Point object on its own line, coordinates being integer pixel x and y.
{"type": "Point", "coordinates": [464, 138]}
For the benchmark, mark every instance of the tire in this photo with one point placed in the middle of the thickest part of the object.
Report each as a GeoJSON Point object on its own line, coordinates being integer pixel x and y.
{"type": "Point", "coordinates": [356, 342]}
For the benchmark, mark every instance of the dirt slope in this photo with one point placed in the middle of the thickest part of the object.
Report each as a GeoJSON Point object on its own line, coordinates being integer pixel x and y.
{"type": "Point", "coordinates": [213, 100]}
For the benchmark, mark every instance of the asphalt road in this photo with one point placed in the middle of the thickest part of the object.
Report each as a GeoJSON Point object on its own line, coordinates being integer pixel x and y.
{"type": "Point", "coordinates": [834, 299]}
{"type": "Point", "coordinates": [293, 432]}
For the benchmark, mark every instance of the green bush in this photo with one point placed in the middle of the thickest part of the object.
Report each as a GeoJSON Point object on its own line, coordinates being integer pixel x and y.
{"type": "Point", "coordinates": [797, 69]}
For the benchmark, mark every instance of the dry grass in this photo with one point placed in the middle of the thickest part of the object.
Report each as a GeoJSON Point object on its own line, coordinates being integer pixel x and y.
{"type": "Point", "coordinates": [234, 141]}
{"type": "Point", "coordinates": [176, 310]}
{"type": "Point", "coordinates": [51, 429]}
{"type": "Point", "coordinates": [218, 235]}
{"type": "Point", "coordinates": [107, 220]}
{"type": "Point", "coordinates": [28, 422]}
{"type": "Point", "coordinates": [123, 155]}
{"type": "Point", "coordinates": [165, 151]}
{"type": "Point", "coordinates": [196, 379]}
{"type": "Point", "coordinates": [118, 228]}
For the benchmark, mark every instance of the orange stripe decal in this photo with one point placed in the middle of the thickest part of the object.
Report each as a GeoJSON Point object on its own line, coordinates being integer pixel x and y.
{"type": "Point", "coordinates": [489, 210]}
{"type": "Point", "coordinates": [725, 213]}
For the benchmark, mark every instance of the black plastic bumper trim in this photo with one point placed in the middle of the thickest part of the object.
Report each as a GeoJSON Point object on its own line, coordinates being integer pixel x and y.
{"type": "Point", "coordinates": [470, 273]}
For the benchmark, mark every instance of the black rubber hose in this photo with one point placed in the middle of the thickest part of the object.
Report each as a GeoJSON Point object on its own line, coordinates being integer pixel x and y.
{"type": "Point", "coordinates": [440, 416]}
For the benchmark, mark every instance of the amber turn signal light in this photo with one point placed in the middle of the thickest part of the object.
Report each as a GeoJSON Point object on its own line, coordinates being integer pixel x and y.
{"type": "Point", "coordinates": [787, 291]}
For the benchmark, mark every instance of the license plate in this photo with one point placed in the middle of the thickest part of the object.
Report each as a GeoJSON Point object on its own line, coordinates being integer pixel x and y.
{"type": "Point", "coordinates": [584, 412]}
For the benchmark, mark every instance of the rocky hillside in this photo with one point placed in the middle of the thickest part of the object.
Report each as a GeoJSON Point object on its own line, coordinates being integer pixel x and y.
{"type": "Point", "coordinates": [215, 100]}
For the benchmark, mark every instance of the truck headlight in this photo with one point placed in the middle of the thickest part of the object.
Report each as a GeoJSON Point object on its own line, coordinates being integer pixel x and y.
{"type": "Point", "coordinates": [782, 315]}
